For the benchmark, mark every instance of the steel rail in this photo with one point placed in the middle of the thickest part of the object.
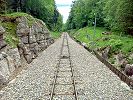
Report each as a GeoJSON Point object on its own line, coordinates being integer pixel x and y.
{"type": "Point", "coordinates": [75, 92]}
{"type": "Point", "coordinates": [56, 73]}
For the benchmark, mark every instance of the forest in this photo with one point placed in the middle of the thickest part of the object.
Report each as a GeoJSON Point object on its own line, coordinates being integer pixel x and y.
{"type": "Point", "coordinates": [45, 10]}
{"type": "Point", "coordinates": [105, 26]}
{"type": "Point", "coordinates": [115, 15]}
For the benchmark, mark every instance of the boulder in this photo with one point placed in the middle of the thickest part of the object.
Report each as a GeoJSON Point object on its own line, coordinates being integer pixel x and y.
{"type": "Point", "coordinates": [28, 58]}
{"type": "Point", "coordinates": [25, 39]}
{"type": "Point", "coordinates": [129, 70]}
{"type": "Point", "coordinates": [42, 36]}
{"type": "Point", "coordinates": [23, 32]}
{"type": "Point", "coordinates": [10, 59]}
{"type": "Point", "coordinates": [105, 53]}
{"type": "Point", "coordinates": [37, 37]}
{"type": "Point", "coordinates": [120, 60]}
{"type": "Point", "coordinates": [14, 56]}
{"type": "Point", "coordinates": [106, 33]}
{"type": "Point", "coordinates": [51, 41]}
{"type": "Point", "coordinates": [34, 48]}
{"type": "Point", "coordinates": [11, 64]}
{"type": "Point", "coordinates": [32, 39]}
{"type": "Point", "coordinates": [26, 49]}
{"type": "Point", "coordinates": [42, 45]}
{"type": "Point", "coordinates": [22, 29]}
{"type": "Point", "coordinates": [4, 68]}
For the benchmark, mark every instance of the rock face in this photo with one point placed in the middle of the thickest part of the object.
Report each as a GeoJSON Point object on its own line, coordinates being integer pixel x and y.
{"type": "Point", "coordinates": [32, 40]}
{"type": "Point", "coordinates": [120, 60]}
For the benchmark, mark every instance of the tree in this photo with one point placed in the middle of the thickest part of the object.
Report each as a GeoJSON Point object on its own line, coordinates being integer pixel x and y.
{"type": "Point", "coordinates": [116, 15]}
{"type": "Point", "coordinates": [124, 16]}
{"type": "Point", "coordinates": [110, 13]}
{"type": "Point", "coordinates": [3, 5]}
{"type": "Point", "coordinates": [83, 13]}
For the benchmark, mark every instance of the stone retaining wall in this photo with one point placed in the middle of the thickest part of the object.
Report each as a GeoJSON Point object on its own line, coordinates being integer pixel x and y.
{"type": "Point", "coordinates": [32, 40]}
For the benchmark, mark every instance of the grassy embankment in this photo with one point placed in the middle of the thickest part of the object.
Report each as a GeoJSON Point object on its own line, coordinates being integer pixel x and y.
{"type": "Point", "coordinates": [55, 35]}
{"type": "Point", "coordinates": [118, 42]}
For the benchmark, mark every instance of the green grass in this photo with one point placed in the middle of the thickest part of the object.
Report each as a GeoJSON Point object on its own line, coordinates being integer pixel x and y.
{"type": "Point", "coordinates": [116, 41]}
{"type": "Point", "coordinates": [55, 35]}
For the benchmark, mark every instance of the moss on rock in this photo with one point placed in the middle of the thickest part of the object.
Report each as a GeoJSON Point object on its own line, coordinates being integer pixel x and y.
{"type": "Point", "coordinates": [10, 36]}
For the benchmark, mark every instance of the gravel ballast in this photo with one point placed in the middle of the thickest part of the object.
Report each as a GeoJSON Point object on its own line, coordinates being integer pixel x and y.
{"type": "Point", "coordinates": [94, 81]}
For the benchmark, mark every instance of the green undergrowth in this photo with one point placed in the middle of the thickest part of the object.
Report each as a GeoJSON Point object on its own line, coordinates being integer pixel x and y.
{"type": "Point", "coordinates": [118, 42]}
{"type": "Point", "coordinates": [55, 35]}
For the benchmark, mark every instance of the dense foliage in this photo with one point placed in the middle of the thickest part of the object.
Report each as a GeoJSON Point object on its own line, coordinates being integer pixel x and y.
{"type": "Point", "coordinates": [43, 9]}
{"type": "Point", "coordinates": [2, 6]}
{"type": "Point", "coordinates": [113, 14]}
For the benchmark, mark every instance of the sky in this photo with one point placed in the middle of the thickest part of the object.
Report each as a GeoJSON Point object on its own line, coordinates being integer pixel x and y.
{"type": "Point", "coordinates": [64, 7]}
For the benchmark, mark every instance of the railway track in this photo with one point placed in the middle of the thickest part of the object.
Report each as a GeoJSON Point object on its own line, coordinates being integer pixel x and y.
{"type": "Point", "coordinates": [64, 82]}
